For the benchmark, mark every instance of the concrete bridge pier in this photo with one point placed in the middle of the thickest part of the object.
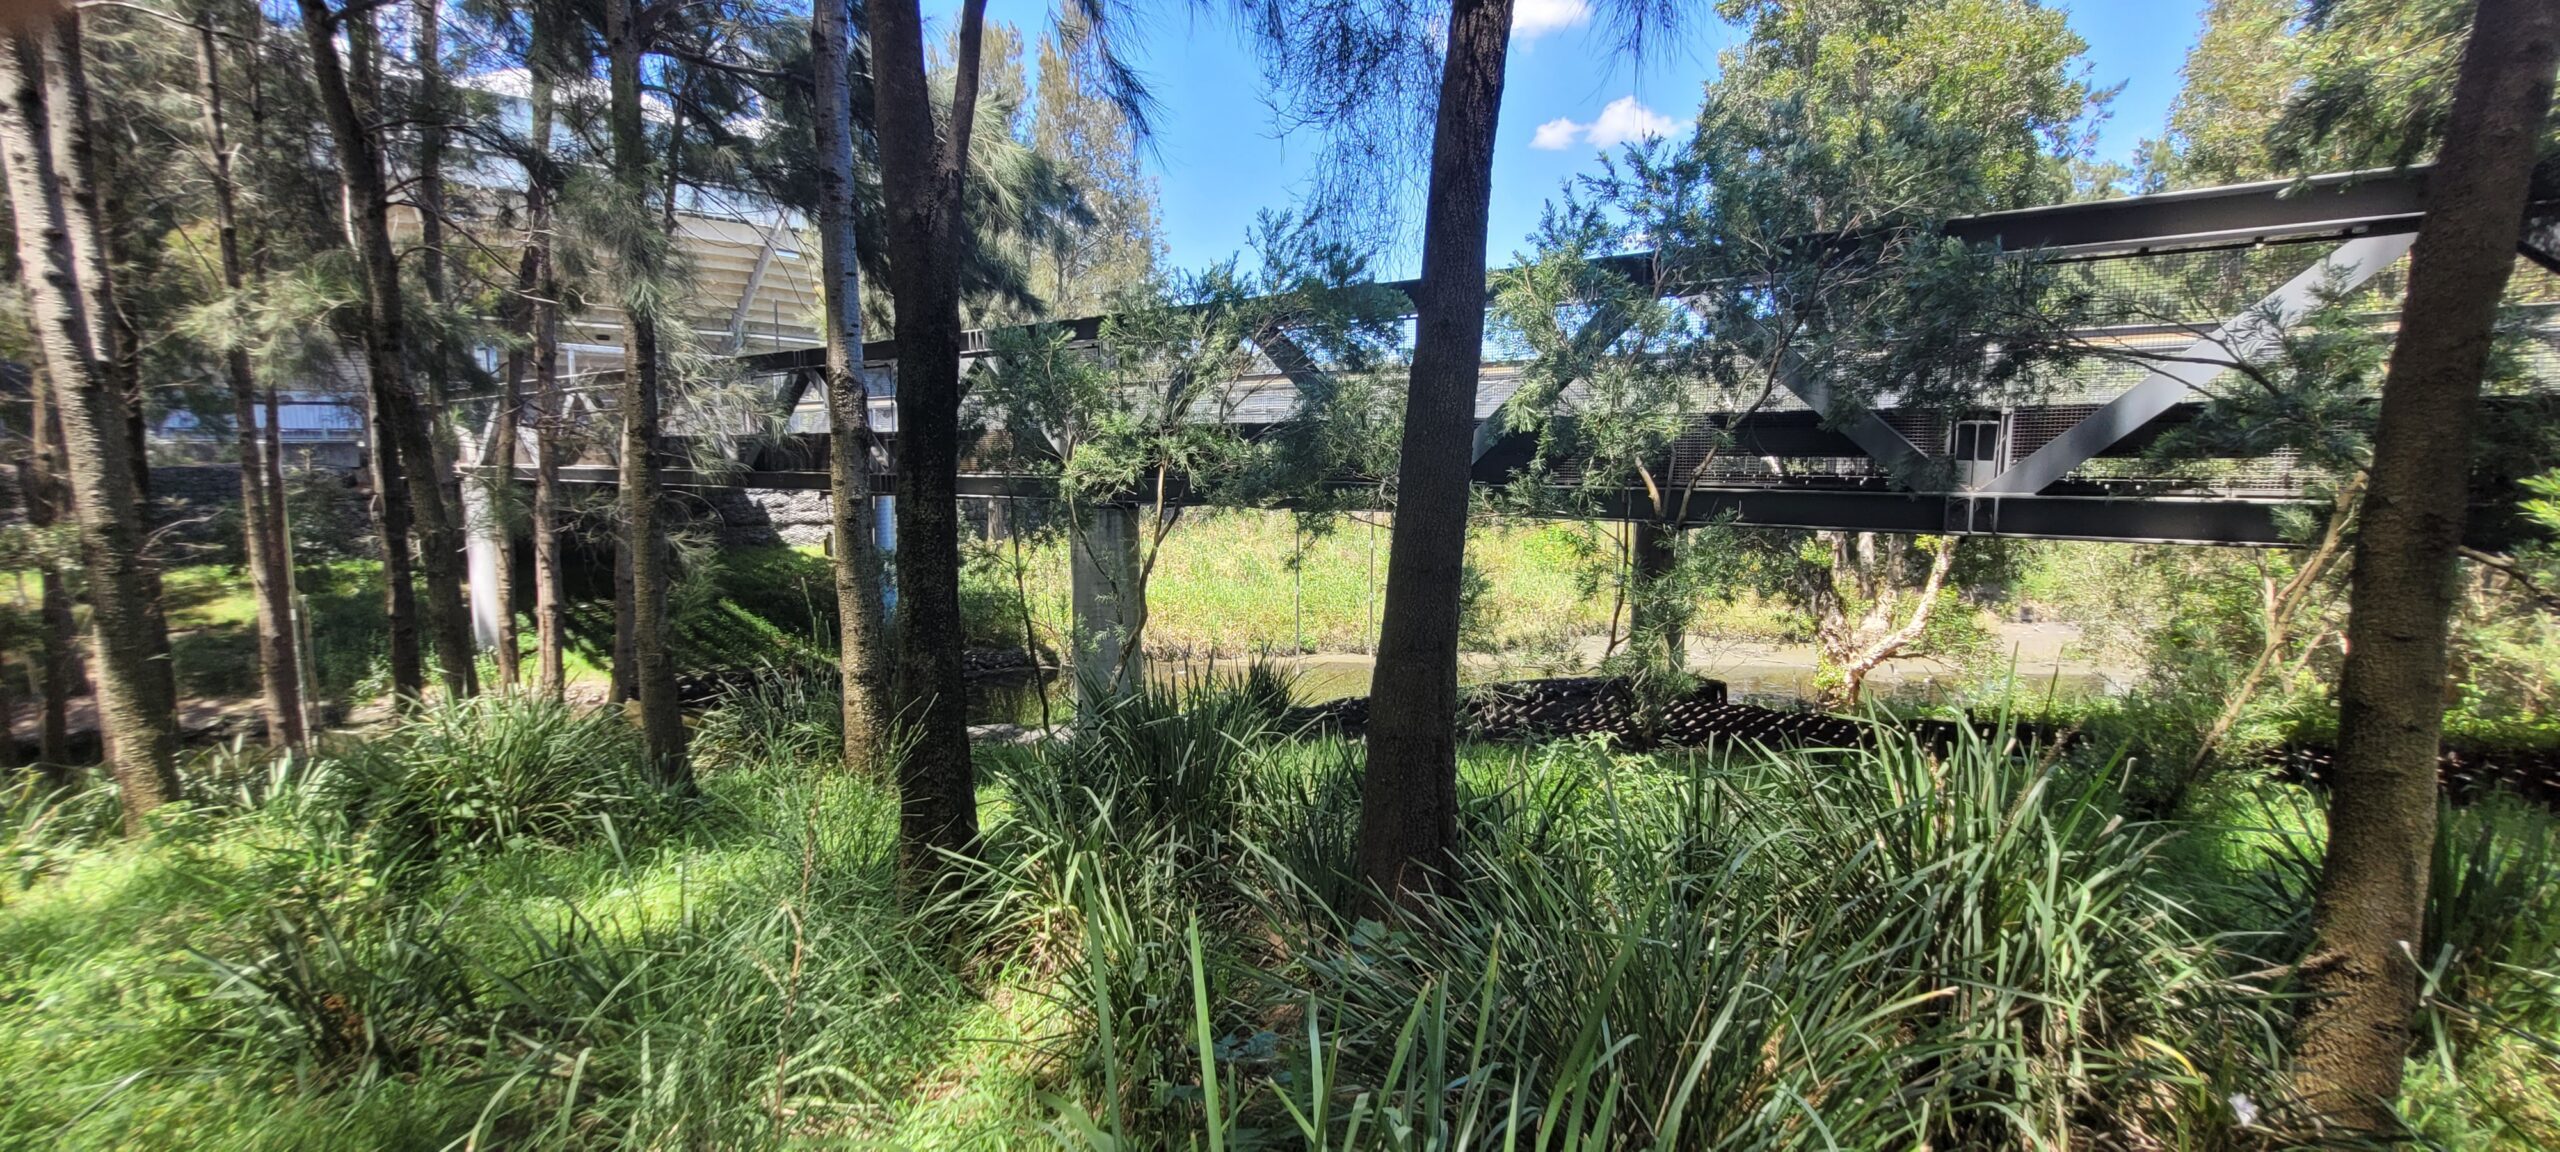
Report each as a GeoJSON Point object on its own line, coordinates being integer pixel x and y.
{"type": "Point", "coordinates": [485, 557]}
{"type": "Point", "coordinates": [1107, 598]}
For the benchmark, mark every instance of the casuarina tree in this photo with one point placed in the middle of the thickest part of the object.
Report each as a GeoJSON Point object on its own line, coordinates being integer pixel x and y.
{"type": "Point", "coordinates": [861, 646]}
{"type": "Point", "coordinates": [406, 457]}
{"type": "Point", "coordinates": [2369, 912]}
{"type": "Point", "coordinates": [44, 134]}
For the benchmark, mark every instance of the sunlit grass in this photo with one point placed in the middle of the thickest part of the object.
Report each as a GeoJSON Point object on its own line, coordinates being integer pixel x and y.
{"type": "Point", "coordinates": [1815, 949]}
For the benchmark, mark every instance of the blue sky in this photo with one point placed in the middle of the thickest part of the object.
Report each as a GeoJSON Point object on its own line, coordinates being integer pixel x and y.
{"type": "Point", "coordinates": [1219, 162]}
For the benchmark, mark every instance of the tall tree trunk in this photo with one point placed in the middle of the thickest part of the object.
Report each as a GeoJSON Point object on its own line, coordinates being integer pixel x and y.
{"type": "Point", "coordinates": [2369, 912]}
{"type": "Point", "coordinates": [860, 651]}
{"type": "Point", "coordinates": [9, 728]}
{"type": "Point", "coordinates": [1409, 797]}
{"type": "Point", "coordinates": [404, 421]}
{"type": "Point", "coordinates": [60, 673]}
{"type": "Point", "coordinates": [921, 172]}
{"type": "Point", "coordinates": [643, 514]}
{"type": "Point", "coordinates": [549, 610]}
{"type": "Point", "coordinates": [499, 473]}
{"type": "Point", "coordinates": [44, 133]}
{"type": "Point", "coordinates": [57, 648]}
{"type": "Point", "coordinates": [111, 205]}
{"type": "Point", "coordinates": [279, 678]}
{"type": "Point", "coordinates": [430, 113]}
{"type": "Point", "coordinates": [279, 520]}
{"type": "Point", "coordinates": [390, 509]}
{"type": "Point", "coordinates": [621, 683]}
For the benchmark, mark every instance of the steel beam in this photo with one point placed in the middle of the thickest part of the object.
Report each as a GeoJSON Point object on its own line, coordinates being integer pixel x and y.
{"type": "Point", "coordinates": [747, 299]}
{"type": "Point", "coordinates": [1881, 441]}
{"type": "Point", "coordinates": [1509, 448]}
{"type": "Point", "coordinates": [2139, 519]}
{"type": "Point", "coordinates": [2176, 381]}
{"type": "Point", "coordinates": [2373, 202]}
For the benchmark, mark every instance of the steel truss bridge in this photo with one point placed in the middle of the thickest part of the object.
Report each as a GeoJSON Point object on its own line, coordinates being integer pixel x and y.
{"type": "Point", "coordinates": [2071, 464]}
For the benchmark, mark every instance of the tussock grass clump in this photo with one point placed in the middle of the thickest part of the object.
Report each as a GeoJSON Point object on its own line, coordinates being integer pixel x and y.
{"type": "Point", "coordinates": [1162, 943]}
{"type": "Point", "coordinates": [261, 973]}
{"type": "Point", "coordinates": [787, 714]}
{"type": "Point", "coordinates": [496, 772]}
{"type": "Point", "coordinates": [1165, 754]}
{"type": "Point", "coordinates": [1879, 946]}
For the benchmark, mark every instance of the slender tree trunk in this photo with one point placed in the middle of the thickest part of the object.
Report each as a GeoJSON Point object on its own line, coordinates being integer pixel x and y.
{"type": "Point", "coordinates": [861, 653]}
{"type": "Point", "coordinates": [499, 473]}
{"type": "Point", "coordinates": [549, 610]}
{"type": "Point", "coordinates": [111, 205]}
{"type": "Point", "coordinates": [643, 515]}
{"type": "Point", "coordinates": [1409, 797]}
{"type": "Point", "coordinates": [278, 542]}
{"type": "Point", "coordinates": [2369, 912]}
{"type": "Point", "coordinates": [390, 509]}
{"type": "Point", "coordinates": [430, 112]}
{"type": "Point", "coordinates": [57, 647]}
{"type": "Point", "coordinates": [404, 421]}
{"type": "Point", "coordinates": [43, 131]}
{"type": "Point", "coordinates": [9, 727]}
{"type": "Point", "coordinates": [279, 679]}
{"type": "Point", "coordinates": [620, 687]}
{"type": "Point", "coordinates": [921, 172]}
{"type": "Point", "coordinates": [1876, 640]}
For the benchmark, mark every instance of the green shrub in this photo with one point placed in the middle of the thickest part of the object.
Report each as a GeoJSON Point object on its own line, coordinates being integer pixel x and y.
{"type": "Point", "coordinates": [1890, 946]}
{"type": "Point", "coordinates": [498, 772]}
{"type": "Point", "coordinates": [788, 714]}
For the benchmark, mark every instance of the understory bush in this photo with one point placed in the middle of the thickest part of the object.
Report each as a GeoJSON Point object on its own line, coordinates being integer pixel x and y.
{"type": "Point", "coordinates": [494, 772]}
{"type": "Point", "coordinates": [1761, 950]}
{"type": "Point", "coordinates": [476, 929]}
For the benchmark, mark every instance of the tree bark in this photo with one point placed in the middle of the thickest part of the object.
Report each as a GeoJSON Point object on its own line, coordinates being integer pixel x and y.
{"type": "Point", "coordinates": [499, 473]}
{"type": "Point", "coordinates": [921, 173]}
{"type": "Point", "coordinates": [391, 521]}
{"type": "Point", "coordinates": [1854, 652]}
{"type": "Point", "coordinates": [44, 134]}
{"type": "Point", "coordinates": [111, 204]}
{"type": "Point", "coordinates": [403, 420]}
{"type": "Point", "coordinates": [550, 620]}
{"type": "Point", "coordinates": [278, 676]}
{"type": "Point", "coordinates": [1409, 798]}
{"type": "Point", "coordinates": [2369, 911]}
{"type": "Point", "coordinates": [429, 112]}
{"type": "Point", "coordinates": [279, 520]}
{"type": "Point", "coordinates": [653, 675]}
{"type": "Point", "coordinates": [57, 633]}
{"type": "Point", "coordinates": [861, 654]}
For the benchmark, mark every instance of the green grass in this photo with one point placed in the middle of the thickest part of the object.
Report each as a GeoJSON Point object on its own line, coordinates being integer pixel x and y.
{"type": "Point", "coordinates": [482, 927]}
{"type": "Point", "coordinates": [1229, 584]}
{"type": "Point", "coordinates": [1235, 583]}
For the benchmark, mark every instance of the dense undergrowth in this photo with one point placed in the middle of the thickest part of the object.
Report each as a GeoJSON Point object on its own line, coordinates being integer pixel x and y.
{"type": "Point", "coordinates": [484, 929]}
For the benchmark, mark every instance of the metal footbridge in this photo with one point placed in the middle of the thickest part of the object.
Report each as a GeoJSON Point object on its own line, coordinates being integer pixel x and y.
{"type": "Point", "coordinates": [2075, 461]}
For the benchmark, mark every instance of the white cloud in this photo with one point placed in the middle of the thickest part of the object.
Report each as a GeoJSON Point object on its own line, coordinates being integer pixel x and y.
{"type": "Point", "coordinates": [1555, 135]}
{"type": "Point", "coordinates": [1623, 121]}
{"type": "Point", "coordinates": [1531, 19]}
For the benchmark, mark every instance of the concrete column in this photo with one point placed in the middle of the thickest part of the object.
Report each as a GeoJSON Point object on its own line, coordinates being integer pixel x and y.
{"type": "Point", "coordinates": [1106, 597]}
{"type": "Point", "coordinates": [484, 549]}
